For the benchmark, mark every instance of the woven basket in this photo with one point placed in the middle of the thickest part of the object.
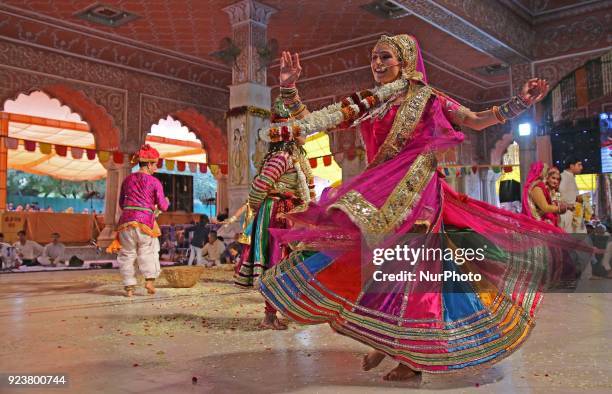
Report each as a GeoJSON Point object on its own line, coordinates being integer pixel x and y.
{"type": "Point", "coordinates": [186, 276]}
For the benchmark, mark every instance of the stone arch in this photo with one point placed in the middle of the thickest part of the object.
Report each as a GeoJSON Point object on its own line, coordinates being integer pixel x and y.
{"type": "Point", "coordinates": [101, 123]}
{"type": "Point", "coordinates": [212, 137]}
{"type": "Point", "coordinates": [554, 72]}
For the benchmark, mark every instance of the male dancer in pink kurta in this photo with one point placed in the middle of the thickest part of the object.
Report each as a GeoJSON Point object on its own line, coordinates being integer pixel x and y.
{"type": "Point", "coordinates": [141, 195]}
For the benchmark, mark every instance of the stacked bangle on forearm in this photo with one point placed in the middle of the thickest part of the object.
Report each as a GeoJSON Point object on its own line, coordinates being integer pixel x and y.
{"type": "Point", "coordinates": [288, 92]}
{"type": "Point", "coordinates": [298, 111]}
{"type": "Point", "coordinates": [498, 115]}
{"type": "Point", "coordinates": [292, 100]}
{"type": "Point", "coordinates": [512, 108]}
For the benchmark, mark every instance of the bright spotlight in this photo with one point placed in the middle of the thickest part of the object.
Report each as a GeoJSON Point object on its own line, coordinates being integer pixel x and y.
{"type": "Point", "coordinates": [524, 129]}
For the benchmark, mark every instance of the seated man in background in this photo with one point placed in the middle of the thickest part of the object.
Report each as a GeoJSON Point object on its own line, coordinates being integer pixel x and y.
{"type": "Point", "coordinates": [53, 253]}
{"type": "Point", "coordinates": [213, 249]}
{"type": "Point", "coordinates": [5, 255]}
{"type": "Point", "coordinates": [27, 251]}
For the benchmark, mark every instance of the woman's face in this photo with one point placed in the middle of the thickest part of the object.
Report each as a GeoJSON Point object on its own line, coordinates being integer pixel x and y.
{"type": "Point", "coordinates": [553, 180]}
{"type": "Point", "coordinates": [385, 65]}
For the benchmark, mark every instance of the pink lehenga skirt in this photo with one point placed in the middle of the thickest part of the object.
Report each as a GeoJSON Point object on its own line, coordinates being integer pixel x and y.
{"type": "Point", "coordinates": [428, 324]}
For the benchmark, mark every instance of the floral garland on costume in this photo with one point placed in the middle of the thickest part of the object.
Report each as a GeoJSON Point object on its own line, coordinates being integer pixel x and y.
{"type": "Point", "coordinates": [305, 177]}
{"type": "Point", "coordinates": [349, 109]}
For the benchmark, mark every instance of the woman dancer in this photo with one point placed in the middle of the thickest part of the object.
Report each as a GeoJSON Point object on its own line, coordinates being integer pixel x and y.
{"type": "Point", "coordinates": [426, 325]}
{"type": "Point", "coordinates": [284, 182]}
{"type": "Point", "coordinates": [538, 194]}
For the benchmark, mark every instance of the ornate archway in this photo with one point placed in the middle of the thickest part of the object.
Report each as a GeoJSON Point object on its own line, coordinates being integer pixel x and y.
{"type": "Point", "coordinates": [213, 139]}
{"type": "Point", "coordinates": [101, 123]}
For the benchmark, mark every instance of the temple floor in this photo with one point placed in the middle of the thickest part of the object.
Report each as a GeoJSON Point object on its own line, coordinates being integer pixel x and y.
{"type": "Point", "coordinates": [205, 339]}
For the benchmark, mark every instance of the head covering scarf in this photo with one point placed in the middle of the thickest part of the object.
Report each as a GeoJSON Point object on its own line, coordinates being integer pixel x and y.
{"type": "Point", "coordinates": [537, 174]}
{"type": "Point", "coordinates": [407, 50]}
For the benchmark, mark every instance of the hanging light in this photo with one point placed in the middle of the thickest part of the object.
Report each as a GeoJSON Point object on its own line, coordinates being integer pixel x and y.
{"type": "Point", "coordinates": [524, 129]}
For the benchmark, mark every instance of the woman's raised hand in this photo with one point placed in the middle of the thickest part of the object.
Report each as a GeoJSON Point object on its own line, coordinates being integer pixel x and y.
{"type": "Point", "coordinates": [534, 90]}
{"type": "Point", "coordinates": [290, 69]}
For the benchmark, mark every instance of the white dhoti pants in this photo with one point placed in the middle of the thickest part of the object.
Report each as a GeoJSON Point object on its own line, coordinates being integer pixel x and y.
{"type": "Point", "coordinates": [138, 248]}
{"type": "Point", "coordinates": [195, 254]}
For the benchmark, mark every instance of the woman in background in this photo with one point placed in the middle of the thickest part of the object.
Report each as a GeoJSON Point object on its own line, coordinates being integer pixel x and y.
{"type": "Point", "coordinates": [540, 199]}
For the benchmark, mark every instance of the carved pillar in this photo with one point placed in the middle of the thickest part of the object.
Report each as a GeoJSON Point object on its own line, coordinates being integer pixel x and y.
{"type": "Point", "coordinates": [116, 173]}
{"type": "Point", "coordinates": [222, 190]}
{"type": "Point", "coordinates": [4, 129]}
{"type": "Point", "coordinates": [527, 154]}
{"type": "Point", "coordinates": [249, 20]}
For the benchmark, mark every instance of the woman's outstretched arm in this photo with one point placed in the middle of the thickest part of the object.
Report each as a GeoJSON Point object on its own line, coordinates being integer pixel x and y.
{"type": "Point", "coordinates": [533, 91]}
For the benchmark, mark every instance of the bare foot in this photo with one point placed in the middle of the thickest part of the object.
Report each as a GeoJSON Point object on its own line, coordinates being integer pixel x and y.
{"type": "Point", "coordinates": [279, 325]}
{"type": "Point", "coordinates": [372, 359]}
{"type": "Point", "coordinates": [272, 323]}
{"type": "Point", "coordinates": [401, 372]}
{"type": "Point", "coordinates": [150, 287]}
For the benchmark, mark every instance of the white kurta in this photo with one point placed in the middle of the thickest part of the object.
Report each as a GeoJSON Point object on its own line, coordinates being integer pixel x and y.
{"type": "Point", "coordinates": [30, 251]}
{"type": "Point", "coordinates": [569, 191]}
{"type": "Point", "coordinates": [53, 254]}
{"type": "Point", "coordinates": [212, 252]}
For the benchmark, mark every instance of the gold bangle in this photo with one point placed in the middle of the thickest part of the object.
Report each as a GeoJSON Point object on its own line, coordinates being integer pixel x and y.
{"type": "Point", "coordinates": [498, 115]}
{"type": "Point", "coordinates": [299, 111]}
